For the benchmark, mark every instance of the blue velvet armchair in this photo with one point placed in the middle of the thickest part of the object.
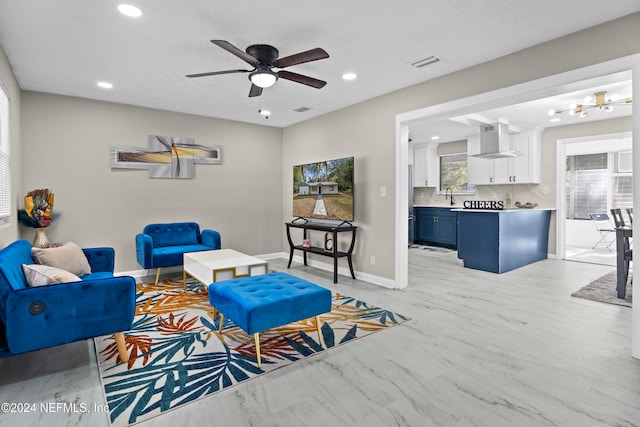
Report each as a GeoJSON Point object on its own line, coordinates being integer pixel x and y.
{"type": "Point", "coordinates": [163, 245]}
{"type": "Point", "coordinates": [33, 318]}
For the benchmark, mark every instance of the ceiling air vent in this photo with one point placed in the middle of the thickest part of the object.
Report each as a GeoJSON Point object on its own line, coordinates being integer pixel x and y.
{"type": "Point", "coordinates": [425, 61]}
{"type": "Point", "coordinates": [302, 109]}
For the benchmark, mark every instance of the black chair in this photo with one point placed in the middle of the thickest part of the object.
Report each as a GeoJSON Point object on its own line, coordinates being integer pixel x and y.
{"type": "Point", "coordinates": [628, 251]}
{"type": "Point", "coordinates": [618, 219]}
{"type": "Point", "coordinates": [628, 258]}
{"type": "Point", "coordinates": [630, 214]}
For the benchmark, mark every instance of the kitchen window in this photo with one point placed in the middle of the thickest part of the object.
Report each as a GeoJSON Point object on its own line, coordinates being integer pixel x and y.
{"type": "Point", "coordinates": [453, 173]}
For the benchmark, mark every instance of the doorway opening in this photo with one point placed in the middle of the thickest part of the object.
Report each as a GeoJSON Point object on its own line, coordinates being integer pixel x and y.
{"type": "Point", "coordinates": [597, 178]}
{"type": "Point", "coordinates": [564, 83]}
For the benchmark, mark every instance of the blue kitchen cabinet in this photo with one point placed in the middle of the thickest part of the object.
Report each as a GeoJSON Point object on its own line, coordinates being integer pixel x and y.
{"type": "Point", "coordinates": [436, 226]}
{"type": "Point", "coordinates": [501, 241]}
{"type": "Point", "coordinates": [425, 225]}
{"type": "Point", "coordinates": [447, 232]}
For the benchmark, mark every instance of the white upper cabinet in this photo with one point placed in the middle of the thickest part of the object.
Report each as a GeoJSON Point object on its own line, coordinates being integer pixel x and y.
{"type": "Point", "coordinates": [525, 168]}
{"type": "Point", "coordinates": [522, 169]}
{"type": "Point", "coordinates": [425, 165]}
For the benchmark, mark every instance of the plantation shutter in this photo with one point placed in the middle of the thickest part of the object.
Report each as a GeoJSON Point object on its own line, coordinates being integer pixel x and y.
{"type": "Point", "coordinates": [587, 185]}
{"type": "Point", "coordinates": [5, 172]}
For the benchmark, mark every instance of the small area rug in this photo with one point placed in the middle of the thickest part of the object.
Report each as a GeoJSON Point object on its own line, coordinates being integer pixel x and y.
{"type": "Point", "coordinates": [604, 290]}
{"type": "Point", "coordinates": [430, 248]}
{"type": "Point", "coordinates": [176, 355]}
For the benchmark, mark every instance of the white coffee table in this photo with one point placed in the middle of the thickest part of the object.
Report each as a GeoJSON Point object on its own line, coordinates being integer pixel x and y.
{"type": "Point", "coordinates": [221, 264]}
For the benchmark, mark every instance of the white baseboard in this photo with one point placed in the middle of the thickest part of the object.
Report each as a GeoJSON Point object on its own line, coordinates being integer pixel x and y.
{"type": "Point", "coordinates": [150, 275]}
{"type": "Point", "coordinates": [365, 277]}
{"type": "Point", "coordinates": [275, 255]}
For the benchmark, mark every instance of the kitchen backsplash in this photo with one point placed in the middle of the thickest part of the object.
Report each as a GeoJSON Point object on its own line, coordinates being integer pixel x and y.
{"type": "Point", "coordinates": [543, 195]}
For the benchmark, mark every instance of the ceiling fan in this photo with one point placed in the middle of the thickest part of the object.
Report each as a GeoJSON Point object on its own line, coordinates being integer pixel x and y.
{"type": "Point", "coordinates": [264, 58]}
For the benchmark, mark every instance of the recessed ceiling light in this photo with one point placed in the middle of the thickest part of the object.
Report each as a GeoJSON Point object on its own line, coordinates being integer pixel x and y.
{"type": "Point", "coordinates": [554, 119]}
{"type": "Point", "coordinates": [105, 85]}
{"type": "Point", "coordinates": [349, 76]}
{"type": "Point", "coordinates": [265, 112]}
{"type": "Point", "coordinates": [130, 10]}
{"type": "Point", "coordinates": [435, 137]}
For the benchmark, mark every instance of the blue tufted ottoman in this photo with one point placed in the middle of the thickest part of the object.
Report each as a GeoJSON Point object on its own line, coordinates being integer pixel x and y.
{"type": "Point", "coordinates": [258, 303]}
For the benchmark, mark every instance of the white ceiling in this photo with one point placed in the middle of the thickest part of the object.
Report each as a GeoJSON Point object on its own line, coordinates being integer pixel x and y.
{"type": "Point", "coordinates": [66, 46]}
{"type": "Point", "coordinates": [534, 113]}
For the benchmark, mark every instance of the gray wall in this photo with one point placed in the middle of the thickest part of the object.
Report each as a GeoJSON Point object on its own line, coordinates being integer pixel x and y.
{"type": "Point", "coordinates": [66, 146]}
{"type": "Point", "coordinates": [367, 132]}
{"type": "Point", "coordinates": [9, 231]}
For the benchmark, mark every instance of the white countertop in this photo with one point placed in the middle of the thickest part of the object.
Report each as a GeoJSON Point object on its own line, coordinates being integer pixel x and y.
{"type": "Point", "coordinates": [438, 206]}
{"type": "Point", "coordinates": [458, 208]}
{"type": "Point", "coordinates": [506, 210]}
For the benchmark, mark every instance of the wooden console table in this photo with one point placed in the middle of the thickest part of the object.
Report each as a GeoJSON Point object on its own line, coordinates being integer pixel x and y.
{"type": "Point", "coordinates": [335, 253]}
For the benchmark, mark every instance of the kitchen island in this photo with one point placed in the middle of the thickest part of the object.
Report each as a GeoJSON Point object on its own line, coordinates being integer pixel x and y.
{"type": "Point", "coordinates": [502, 240]}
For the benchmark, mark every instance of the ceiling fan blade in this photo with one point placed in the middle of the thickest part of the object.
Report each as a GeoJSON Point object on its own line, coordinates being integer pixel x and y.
{"type": "Point", "coordinates": [301, 58]}
{"type": "Point", "coordinates": [215, 73]}
{"type": "Point", "coordinates": [236, 51]}
{"type": "Point", "coordinates": [299, 78]}
{"type": "Point", "coordinates": [255, 91]}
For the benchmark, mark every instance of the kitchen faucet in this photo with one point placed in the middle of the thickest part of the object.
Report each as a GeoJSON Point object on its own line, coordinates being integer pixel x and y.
{"type": "Point", "coordinates": [445, 195]}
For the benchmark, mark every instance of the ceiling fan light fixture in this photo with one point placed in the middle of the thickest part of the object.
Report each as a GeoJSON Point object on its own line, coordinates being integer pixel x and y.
{"type": "Point", "coordinates": [263, 77]}
{"type": "Point", "coordinates": [263, 58]}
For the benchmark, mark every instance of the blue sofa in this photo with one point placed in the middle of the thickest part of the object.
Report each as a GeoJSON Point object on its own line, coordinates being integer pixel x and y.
{"type": "Point", "coordinates": [33, 318]}
{"type": "Point", "coordinates": [163, 245]}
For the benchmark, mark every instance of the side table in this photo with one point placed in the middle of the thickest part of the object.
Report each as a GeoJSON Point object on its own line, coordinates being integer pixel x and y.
{"type": "Point", "coordinates": [334, 253]}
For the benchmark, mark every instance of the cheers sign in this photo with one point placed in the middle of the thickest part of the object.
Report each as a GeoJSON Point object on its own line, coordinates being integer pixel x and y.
{"type": "Point", "coordinates": [484, 204]}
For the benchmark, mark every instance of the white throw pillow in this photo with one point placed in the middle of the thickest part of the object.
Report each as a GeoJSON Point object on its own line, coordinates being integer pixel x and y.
{"type": "Point", "coordinates": [68, 257]}
{"type": "Point", "coordinates": [42, 275]}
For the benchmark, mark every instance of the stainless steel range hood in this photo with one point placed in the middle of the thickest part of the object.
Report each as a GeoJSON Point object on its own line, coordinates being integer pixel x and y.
{"type": "Point", "coordinates": [494, 142]}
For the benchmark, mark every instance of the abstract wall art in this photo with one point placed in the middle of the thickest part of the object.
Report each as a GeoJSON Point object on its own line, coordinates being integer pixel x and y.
{"type": "Point", "coordinates": [166, 157]}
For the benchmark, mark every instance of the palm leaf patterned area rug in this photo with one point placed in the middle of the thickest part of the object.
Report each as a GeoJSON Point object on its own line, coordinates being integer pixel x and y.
{"type": "Point", "coordinates": [177, 356]}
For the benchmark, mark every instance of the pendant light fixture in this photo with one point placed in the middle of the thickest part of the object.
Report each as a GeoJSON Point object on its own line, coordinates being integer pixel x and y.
{"type": "Point", "coordinates": [597, 101]}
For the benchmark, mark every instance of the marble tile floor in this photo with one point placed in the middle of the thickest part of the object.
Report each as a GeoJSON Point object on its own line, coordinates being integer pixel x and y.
{"type": "Point", "coordinates": [480, 350]}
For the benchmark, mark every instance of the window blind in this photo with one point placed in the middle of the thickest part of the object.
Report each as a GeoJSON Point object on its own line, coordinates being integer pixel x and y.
{"type": "Point", "coordinates": [592, 186]}
{"type": "Point", "coordinates": [587, 185]}
{"type": "Point", "coordinates": [5, 171]}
